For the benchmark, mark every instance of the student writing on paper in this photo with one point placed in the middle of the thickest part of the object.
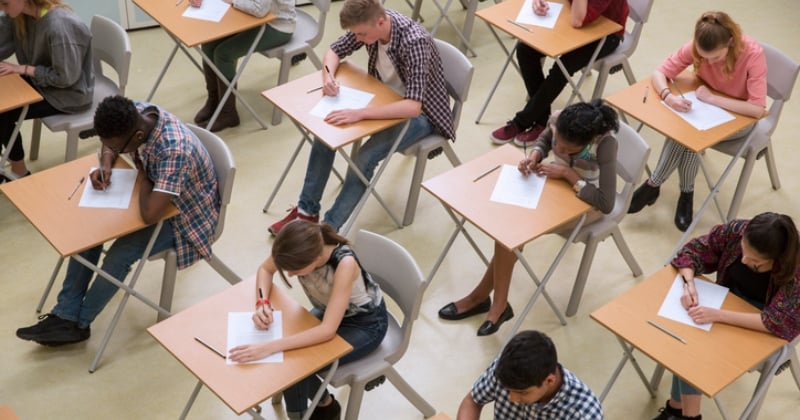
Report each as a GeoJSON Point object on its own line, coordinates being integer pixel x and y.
{"type": "Point", "coordinates": [52, 47]}
{"type": "Point", "coordinates": [529, 122]}
{"type": "Point", "coordinates": [759, 261]}
{"type": "Point", "coordinates": [585, 152]}
{"type": "Point", "coordinates": [344, 296]}
{"type": "Point", "coordinates": [402, 54]}
{"type": "Point", "coordinates": [177, 170]}
{"type": "Point", "coordinates": [225, 53]}
{"type": "Point", "coordinates": [727, 61]}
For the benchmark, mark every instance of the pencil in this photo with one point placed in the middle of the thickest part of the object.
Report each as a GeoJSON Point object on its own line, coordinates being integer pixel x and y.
{"type": "Point", "coordinates": [477, 178]}
{"type": "Point", "coordinates": [646, 90]}
{"type": "Point", "coordinates": [677, 88]}
{"type": "Point", "coordinates": [519, 25]}
{"type": "Point", "coordinates": [666, 331]}
{"type": "Point", "coordinates": [314, 90]}
{"type": "Point", "coordinates": [208, 346]}
{"type": "Point", "coordinates": [83, 178]}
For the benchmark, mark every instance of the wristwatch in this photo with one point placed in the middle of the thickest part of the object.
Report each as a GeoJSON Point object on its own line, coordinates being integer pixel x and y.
{"type": "Point", "coordinates": [579, 185]}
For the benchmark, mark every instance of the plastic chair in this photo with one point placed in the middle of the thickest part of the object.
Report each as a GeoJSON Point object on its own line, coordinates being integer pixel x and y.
{"type": "Point", "coordinates": [782, 74]}
{"type": "Point", "coordinates": [307, 34]}
{"type": "Point", "coordinates": [631, 158]}
{"type": "Point", "coordinates": [639, 12]}
{"type": "Point", "coordinates": [768, 369]}
{"type": "Point", "coordinates": [224, 166]}
{"type": "Point", "coordinates": [458, 76]}
{"type": "Point", "coordinates": [110, 45]}
{"type": "Point", "coordinates": [399, 277]}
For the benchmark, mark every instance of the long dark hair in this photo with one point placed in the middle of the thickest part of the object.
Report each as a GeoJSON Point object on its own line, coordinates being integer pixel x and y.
{"type": "Point", "coordinates": [775, 236]}
{"type": "Point", "coordinates": [300, 243]}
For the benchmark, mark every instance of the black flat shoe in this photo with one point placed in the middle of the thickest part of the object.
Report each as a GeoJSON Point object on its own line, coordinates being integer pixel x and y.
{"type": "Point", "coordinates": [489, 327]}
{"type": "Point", "coordinates": [645, 195]}
{"type": "Point", "coordinates": [684, 211]}
{"type": "Point", "coordinates": [450, 312]}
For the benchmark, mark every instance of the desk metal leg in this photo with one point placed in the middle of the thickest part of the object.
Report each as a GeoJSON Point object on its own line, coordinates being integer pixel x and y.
{"type": "Point", "coordinates": [9, 173]}
{"type": "Point", "coordinates": [325, 381]}
{"type": "Point", "coordinates": [509, 59]}
{"type": "Point", "coordinates": [163, 70]}
{"type": "Point", "coordinates": [469, 22]}
{"type": "Point", "coordinates": [459, 229]}
{"type": "Point", "coordinates": [720, 408]}
{"type": "Point", "coordinates": [627, 355]}
{"type": "Point", "coordinates": [49, 285]}
{"type": "Point", "coordinates": [464, 44]}
{"type": "Point", "coordinates": [192, 397]}
{"type": "Point", "coordinates": [576, 87]}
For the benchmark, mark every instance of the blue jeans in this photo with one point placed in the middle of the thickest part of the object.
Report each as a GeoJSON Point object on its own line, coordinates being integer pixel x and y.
{"type": "Point", "coordinates": [364, 331]}
{"type": "Point", "coordinates": [320, 163]}
{"type": "Point", "coordinates": [681, 387]}
{"type": "Point", "coordinates": [80, 303]}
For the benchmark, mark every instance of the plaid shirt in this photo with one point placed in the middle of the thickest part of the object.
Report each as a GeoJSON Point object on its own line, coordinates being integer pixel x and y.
{"type": "Point", "coordinates": [573, 401]}
{"type": "Point", "coordinates": [178, 164]}
{"type": "Point", "coordinates": [418, 64]}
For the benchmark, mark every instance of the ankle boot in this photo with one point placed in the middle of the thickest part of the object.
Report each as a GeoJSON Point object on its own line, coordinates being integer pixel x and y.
{"type": "Point", "coordinates": [228, 117]}
{"type": "Point", "coordinates": [684, 211]}
{"type": "Point", "coordinates": [212, 100]}
{"type": "Point", "coordinates": [645, 195]}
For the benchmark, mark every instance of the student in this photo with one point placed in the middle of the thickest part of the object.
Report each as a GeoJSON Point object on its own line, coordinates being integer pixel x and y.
{"type": "Point", "coordinates": [344, 297]}
{"type": "Point", "coordinates": [729, 62]}
{"type": "Point", "coordinates": [177, 170]}
{"type": "Point", "coordinates": [759, 261]}
{"type": "Point", "coordinates": [226, 51]}
{"type": "Point", "coordinates": [585, 152]}
{"type": "Point", "coordinates": [527, 382]}
{"type": "Point", "coordinates": [528, 123]}
{"type": "Point", "coordinates": [53, 51]}
{"type": "Point", "coordinates": [402, 55]}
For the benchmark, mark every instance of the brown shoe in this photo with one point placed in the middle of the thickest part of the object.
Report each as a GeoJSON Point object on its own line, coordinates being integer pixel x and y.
{"type": "Point", "coordinates": [228, 117]}
{"type": "Point", "coordinates": [212, 100]}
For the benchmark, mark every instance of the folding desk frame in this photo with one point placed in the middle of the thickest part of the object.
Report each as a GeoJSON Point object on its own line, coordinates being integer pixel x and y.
{"type": "Point", "coordinates": [7, 172]}
{"type": "Point", "coordinates": [469, 20]}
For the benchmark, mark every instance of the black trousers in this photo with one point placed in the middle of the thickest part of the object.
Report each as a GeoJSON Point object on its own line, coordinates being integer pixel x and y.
{"type": "Point", "coordinates": [9, 118]}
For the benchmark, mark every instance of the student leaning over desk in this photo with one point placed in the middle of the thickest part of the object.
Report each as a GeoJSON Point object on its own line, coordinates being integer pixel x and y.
{"type": "Point", "coordinates": [728, 62]}
{"type": "Point", "coordinates": [344, 296]}
{"type": "Point", "coordinates": [226, 51]}
{"type": "Point", "coordinates": [759, 261]}
{"type": "Point", "coordinates": [53, 51]}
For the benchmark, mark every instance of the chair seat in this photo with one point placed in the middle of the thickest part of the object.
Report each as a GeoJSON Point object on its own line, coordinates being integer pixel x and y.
{"type": "Point", "coordinates": [425, 145]}
{"type": "Point", "coordinates": [84, 120]}
{"type": "Point", "coordinates": [376, 362]}
{"type": "Point", "coordinates": [305, 29]}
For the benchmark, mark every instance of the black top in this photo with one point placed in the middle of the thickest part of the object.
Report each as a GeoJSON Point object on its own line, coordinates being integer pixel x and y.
{"type": "Point", "coordinates": [748, 284]}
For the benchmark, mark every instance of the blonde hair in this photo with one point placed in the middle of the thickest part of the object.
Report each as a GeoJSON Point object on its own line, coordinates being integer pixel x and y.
{"type": "Point", "coordinates": [717, 30]}
{"type": "Point", "coordinates": [357, 12]}
{"type": "Point", "coordinates": [19, 21]}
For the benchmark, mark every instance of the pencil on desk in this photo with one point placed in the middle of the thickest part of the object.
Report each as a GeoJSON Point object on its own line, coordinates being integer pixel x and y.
{"type": "Point", "coordinates": [666, 331]}
{"type": "Point", "coordinates": [519, 25]}
{"type": "Point", "coordinates": [646, 90]}
{"type": "Point", "coordinates": [80, 181]}
{"type": "Point", "coordinates": [477, 178]}
{"type": "Point", "coordinates": [314, 90]}
{"type": "Point", "coordinates": [208, 346]}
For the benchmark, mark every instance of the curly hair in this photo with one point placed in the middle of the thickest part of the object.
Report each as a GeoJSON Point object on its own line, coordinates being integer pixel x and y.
{"type": "Point", "coordinates": [526, 360]}
{"type": "Point", "coordinates": [581, 122]}
{"type": "Point", "coordinates": [116, 116]}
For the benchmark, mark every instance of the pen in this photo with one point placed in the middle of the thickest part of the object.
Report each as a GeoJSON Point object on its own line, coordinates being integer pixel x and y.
{"type": "Point", "coordinates": [100, 168]}
{"type": "Point", "coordinates": [314, 90]}
{"type": "Point", "coordinates": [644, 98]}
{"type": "Point", "coordinates": [178, 3]}
{"type": "Point", "coordinates": [668, 332]}
{"type": "Point", "coordinates": [83, 178]}
{"type": "Point", "coordinates": [519, 25]}
{"type": "Point", "coordinates": [261, 296]}
{"type": "Point", "coordinates": [477, 178]}
{"type": "Point", "coordinates": [686, 284]}
{"type": "Point", "coordinates": [677, 88]}
{"type": "Point", "coordinates": [208, 346]}
{"type": "Point", "coordinates": [331, 75]}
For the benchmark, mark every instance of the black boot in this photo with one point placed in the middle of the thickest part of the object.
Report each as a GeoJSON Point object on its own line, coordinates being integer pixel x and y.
{"type": "Point", "coordinates": [684, 211]}
{"type": "Point", "coordinates": [228, 117]}
{"type": "Point", "coordinates": [212, 100]}
{"type": "Point", "coordinates": [645, 195]}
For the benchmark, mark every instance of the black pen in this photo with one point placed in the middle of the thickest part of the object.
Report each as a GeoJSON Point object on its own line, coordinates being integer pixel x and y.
{"type": "Point", "coordinates": [261, 296]}
{"type": "Point", "coordinates": [646, 90]}
{"type": "Point", "coordinates": [685, 285]}
{"type": "Point", "coordinates": [208, 346]}
{"type": "Point", "coordinates": [331, 75]}
{"type": "Point", "coordinates": [83, 178]}
{"type": "Point", "coordinates": [677, 88]}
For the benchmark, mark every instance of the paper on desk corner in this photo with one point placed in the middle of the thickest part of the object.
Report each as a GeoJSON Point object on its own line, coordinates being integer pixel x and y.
{"type": "Point", "coordinates": [514, 188]}
{"type": "Point", "coordinates": [526, 15]}
{"type": "Point", "coordinates": [710, 295]}
{"type": "Point", "coordinates": [210, 10]}
{"type": "Point", "coordinates": [348, 98]}
{"type": "Point", "coordinates": [703, 115]}
{"type": "Point", "coordinates": [116, 196]}
{"type": "Point", "coordinates": [242, 331]}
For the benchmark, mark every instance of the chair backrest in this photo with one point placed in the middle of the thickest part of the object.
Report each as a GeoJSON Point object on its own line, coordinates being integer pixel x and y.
{"type": "Point", "coordinates": [782, 74]}
{"type": "Point", "coordinates": [110, 44]}
{"type": "Point", "coordinates": [638, 12]}
{"type": "Point", "coordinates": [224, 166]}
{"type": "Point", "coordinates": [458, 72]}
{"type": "Point", "coordinates": [398, 275]}
{"type": "Point", "coordinates": [323, 6]}
{"type": "Point", "coordinates": [632, 154]}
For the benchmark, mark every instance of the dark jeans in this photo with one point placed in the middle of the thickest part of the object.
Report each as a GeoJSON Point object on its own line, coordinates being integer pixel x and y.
{"type": "Point", "coordinates": [9, 118]}
{"type": "Point", "coordinates": [543, 91]}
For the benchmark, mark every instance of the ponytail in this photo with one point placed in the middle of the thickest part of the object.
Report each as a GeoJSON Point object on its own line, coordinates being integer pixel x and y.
{"type": "Point", "coordinates": [582, 122]}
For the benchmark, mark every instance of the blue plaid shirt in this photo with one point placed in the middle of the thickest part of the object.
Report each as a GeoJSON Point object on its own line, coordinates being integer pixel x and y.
{"type": "Point", "coordinates": [179, 165]}
{"type": "Point", "coordinates": [573, 401]}
{"type": "Point", "coordinates": [417, 63]}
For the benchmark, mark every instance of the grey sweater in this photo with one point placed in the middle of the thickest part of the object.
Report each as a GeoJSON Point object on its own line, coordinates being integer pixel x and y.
{"type": "Point", "coordinates": [58, 45]}
{"type": "Point", "coordinates": [282, 9]}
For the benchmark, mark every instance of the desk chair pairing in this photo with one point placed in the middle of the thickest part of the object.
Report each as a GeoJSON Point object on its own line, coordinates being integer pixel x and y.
{"type": "Point", "coordinates": [631, 158]}
{"type": "Point", "coordinates": [458, 76]}
{"type": "Point", "coordinates": [782, 74]}
{"type": "Point", "coordinates": [785, 358]}
{"type": "Point", "coordinates": [639, 12]}
{"type": "Point", "coordinates": [110, 45]}
{"type": "Point", "coordinates": [307, 35]}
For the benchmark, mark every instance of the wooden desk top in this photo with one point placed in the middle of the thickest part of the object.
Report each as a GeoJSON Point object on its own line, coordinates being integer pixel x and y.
{"type": "Point", "coordinates": [6, 413]}
{"type": "Point", "coordinates": [16, 93]}
{"type": "Point", "coordinates": [292, 98]}
{"type": "Point", "coordinates": [192, 32]}
{"type": "Point", "coordinates": [242, 386]}
{"type": "Point", "coordinates": [562, 39]}
{"type": "Point", "coordinates": [512, 226]}
{"type": "Point", "coordinates": [658, 115]}
{"type": "Point", "coordinates": [710, 360]}
{"type": "Point", "coordinates": [42, 199]}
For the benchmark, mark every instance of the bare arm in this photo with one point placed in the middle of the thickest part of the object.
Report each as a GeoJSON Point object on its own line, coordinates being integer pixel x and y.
{"type": "Point", "coordinates": [469, 409]}
{"type": "Point", "coordinates": [578, 12]}
{"type": "Point", "coordinates": [704, 315]}
{"type": "Point", "coordinates": [731, 104]}
{"type": "Point", "coordinates": [674, 101]}
{"type": "Point", "coordinates": [331, 62]}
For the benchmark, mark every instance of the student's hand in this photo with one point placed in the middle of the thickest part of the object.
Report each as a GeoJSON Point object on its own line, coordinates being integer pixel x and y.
{"type": "Point", "coordinates": [689, 297]}
{"type": "Point", "coordinates": [677, 103]}
{"type": "Point", "coordinates": [10, 68]}
{"type": "Point", "coordinates": [195, 3]}
{"type": "Point", "coordinates": [704, 94]}
{"type": "Point", "coordinates": [250, 352]}
{"type": "Point", "coordinates": [553, 170]}
{"type": "Point", "coordinates": [97, 181]}
{"type": "Point", "coordinates": [540, 7]}
{"type": "Point", "coordinates": [263, 318]}
{"type": "Point", "coordinates": [703, 314]}
{"type": "Point", "coordinates": [531, 163]}
{"type": "Point", "coordinates": [343, 116]}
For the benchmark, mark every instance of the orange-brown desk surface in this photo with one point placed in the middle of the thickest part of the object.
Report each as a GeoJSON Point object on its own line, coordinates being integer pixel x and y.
{"type": "Point", "coordinates": [42, 199]}
{"type": "Point", "coordinates": [242, 386]}
{"type": "Point", "coordinates": [710, 360]}
{"type": "Point", "coordinates": [16, 93]}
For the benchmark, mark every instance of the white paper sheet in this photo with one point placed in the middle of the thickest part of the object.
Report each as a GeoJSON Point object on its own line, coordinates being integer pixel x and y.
{"type": "Point", "coordinates": [211, 10]}
{"type": "Point", "coordinates": [514, 188]}
{"type": "Point", "coordinates": [348, 98]}
{"type": "Point", "coordinates": [241, 330]}
{"type": "Point", "coordinates": [116, 196]}
{"type": "Point", "coordinates": [527, 16]}
{"type": "Point", "coordinates": [710, 295]}
{"type": "Point", "coordinates": [703, 115]}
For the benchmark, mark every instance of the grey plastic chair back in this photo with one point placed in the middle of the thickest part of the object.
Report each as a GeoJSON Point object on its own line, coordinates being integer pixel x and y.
{"type": "Point", "coordinates": [224, 166]}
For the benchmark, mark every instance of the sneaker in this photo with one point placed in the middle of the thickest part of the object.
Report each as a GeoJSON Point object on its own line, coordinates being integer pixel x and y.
{"type": "Point", "coordinates": [332, 411]}
{"type": "Point", "coordinates": [505, 133]}
{"type": "Point", "coordinates": [52, 331]}
{"type": "Point", "coordinates": [528, 137]}
{"type": "Point", "coordinates": [294, 213]}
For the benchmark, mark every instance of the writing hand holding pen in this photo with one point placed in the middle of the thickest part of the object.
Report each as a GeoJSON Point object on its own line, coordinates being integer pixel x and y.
{"type": "Point", "coordinates": [330, 87]}
{"type": "Point", "coordinates": [540, 7]}
{"type": "Point", "coordinates": [689, 297]}
{"type": "Point", "coordinates": [101, 177]}
{"type": "Point", "coordinates": [531, 163]}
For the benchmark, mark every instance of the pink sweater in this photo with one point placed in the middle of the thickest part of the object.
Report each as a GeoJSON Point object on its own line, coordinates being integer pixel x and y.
{"type": "Point", "coordinates": [747, 82]}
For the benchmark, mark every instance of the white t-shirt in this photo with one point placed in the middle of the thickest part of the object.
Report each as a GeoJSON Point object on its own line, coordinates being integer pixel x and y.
{"type": "Point", "coordinates": [387, 71]}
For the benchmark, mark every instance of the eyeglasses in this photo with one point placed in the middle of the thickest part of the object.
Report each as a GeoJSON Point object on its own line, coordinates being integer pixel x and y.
{"type": "Point", "coordinates": [122, 149]}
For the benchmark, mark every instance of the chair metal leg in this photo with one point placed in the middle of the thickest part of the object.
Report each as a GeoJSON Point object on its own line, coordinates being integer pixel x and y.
{"type": "Point", "coordinates": [72, 146]}
{"type": "Point", "coordinates": [168, 282]}
{"type": "Point", "coordinates": [413, 193]}
{"type": "Point", "coordinates": [626, 253]}
{"type": "Point", "coordinates": [36, 137]}
{"type": "Point", "coordinates": [223, 270]}
{"type": "Point", "coordinates": [580, 279]}
{"type": "Point", "coordinates": [410, 393]}
{"type": "Point", "coordinates": [771, 168]}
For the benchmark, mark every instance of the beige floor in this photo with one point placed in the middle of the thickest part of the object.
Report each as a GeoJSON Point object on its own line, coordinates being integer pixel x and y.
{"type": "Point", "coordinates": [137, 379]}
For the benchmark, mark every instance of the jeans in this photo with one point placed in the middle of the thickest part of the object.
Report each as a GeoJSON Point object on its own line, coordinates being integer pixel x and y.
{"type": "Point", "coordinates": [226, 51]}
{"type": "Point", "coordinates": [80, 303]}
{"type": "Point", "coordinates": [320, 163]}
{"type": "Point", "coordinates": [364, 331]}
{"type": "Point", "coordinates": [680, 387]}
